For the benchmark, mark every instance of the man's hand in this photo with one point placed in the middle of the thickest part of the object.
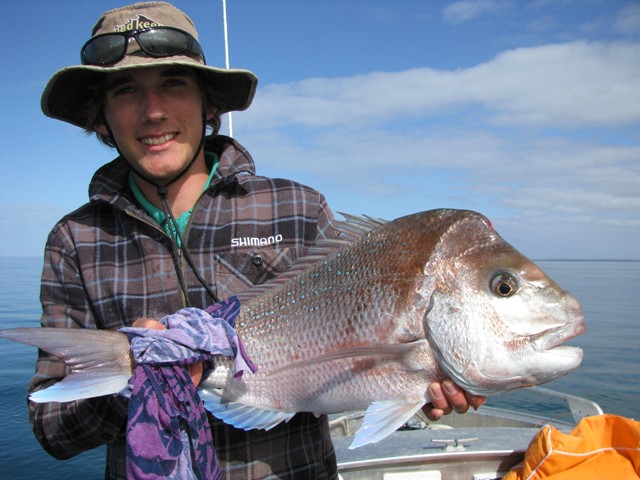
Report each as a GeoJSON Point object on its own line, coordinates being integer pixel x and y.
{"type": "Point", "coordinates": [195, 369]}
{"type": "Point", "coordinates": [447, 397]}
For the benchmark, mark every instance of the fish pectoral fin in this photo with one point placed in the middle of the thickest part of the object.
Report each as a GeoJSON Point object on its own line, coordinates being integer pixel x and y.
{"type": "Point", "coordinates": [382, 419]}
{"type": "Point", "coordinates": [239, 415]}
{"type": "Point", "coordinates": [77, 386]}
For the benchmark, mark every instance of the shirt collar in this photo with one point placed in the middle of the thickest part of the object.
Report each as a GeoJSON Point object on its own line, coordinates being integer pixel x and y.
{"type": "Point", "coordinates": [212, 160]}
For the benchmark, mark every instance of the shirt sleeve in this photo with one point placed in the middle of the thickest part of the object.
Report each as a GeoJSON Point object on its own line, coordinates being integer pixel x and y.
{"type": "Point", "coordinates": [66, 429]}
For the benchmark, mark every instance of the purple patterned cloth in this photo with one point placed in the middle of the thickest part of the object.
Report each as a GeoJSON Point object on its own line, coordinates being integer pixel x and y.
{"type": "Point", "coordinates": [168, 434]}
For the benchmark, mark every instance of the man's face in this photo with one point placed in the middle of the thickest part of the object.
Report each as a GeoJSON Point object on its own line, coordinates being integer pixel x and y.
{"type": "Point", "coordinates": [155, 116]}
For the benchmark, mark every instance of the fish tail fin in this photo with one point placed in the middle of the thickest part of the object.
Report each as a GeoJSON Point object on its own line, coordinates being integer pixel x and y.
{"type": "Point", "coordinates": [77, 386]}
{"type": "Point", "coordinates": [98, 359]}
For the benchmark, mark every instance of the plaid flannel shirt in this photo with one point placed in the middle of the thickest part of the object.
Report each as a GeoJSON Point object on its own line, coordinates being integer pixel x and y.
{"type": "Point", "coordinates": [108, 263]}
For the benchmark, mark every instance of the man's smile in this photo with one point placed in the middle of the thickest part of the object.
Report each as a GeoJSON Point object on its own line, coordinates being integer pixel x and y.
{"type": "Point", "coordinates": [153, 141]}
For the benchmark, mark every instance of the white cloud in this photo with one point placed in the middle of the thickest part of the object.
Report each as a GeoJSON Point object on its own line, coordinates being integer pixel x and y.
{"type": "Point", "coordinates": [524, 138]}
{"type": "Point", "coordinates": [487, 169]}
{"type": "Point", "coordinates": [563, 85]}
{"type": "Point", "coordinates": [566, 85]}
{"type": "Point", "coordinates": [457, 13]}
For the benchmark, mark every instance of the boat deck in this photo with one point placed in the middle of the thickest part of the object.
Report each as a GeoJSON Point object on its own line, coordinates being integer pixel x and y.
{"type": "Point", "coordinates": [482, 445]}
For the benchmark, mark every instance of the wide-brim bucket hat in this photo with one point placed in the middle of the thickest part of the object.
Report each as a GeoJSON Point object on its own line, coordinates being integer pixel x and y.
{"type": "Point", "coordinates": [70, 89]}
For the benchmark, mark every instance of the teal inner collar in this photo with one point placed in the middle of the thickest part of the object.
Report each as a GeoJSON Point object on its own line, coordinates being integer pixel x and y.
{"type": "Point", "coordinates": [158, 215]}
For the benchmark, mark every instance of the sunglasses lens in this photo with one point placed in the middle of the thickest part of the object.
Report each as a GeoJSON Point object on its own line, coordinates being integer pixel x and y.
{"type": "Point", "coordinates": [104, 50]}
{"type": "Point", "coordinates": [109, 48]}
{"type": "Point", "coordinates": [163, 42]}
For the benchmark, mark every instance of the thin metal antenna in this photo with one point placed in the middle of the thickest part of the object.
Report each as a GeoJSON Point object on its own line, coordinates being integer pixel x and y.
{"type": "Point", "coordinates": [226, 55]}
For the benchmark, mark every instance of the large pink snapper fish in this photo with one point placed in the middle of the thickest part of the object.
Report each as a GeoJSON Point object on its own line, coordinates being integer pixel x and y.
{"type": "Point", "coordinates": [366, 323]}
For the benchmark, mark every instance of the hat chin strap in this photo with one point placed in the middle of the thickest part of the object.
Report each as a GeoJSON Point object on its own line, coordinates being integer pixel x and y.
{"type": "Point", "coordinates": [163, 191]}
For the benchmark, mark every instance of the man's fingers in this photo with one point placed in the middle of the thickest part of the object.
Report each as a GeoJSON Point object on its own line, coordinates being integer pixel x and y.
{"type": "Point", "coordinates": [456, 396]}
{"type": "Point", "coordinates": [439, 405]}
{"type": "Point", "coordinates": [149, 323]}
{"type": "Point", "coordinates": [476, 401]}
{"type": "Point", "coordinates": [195, 370]}
{"type": "Point", "coordinates": [447, 397]}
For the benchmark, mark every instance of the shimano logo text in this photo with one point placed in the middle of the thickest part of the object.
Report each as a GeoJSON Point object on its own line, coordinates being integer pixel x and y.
{"type": "Point", "coordinates": [255, 241]}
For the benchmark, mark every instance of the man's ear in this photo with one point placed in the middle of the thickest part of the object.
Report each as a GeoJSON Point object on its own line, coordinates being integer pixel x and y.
{"type": "Point", "coordinates": [210, 112]}
{"type": "Point", "coordinates": [101, 129]}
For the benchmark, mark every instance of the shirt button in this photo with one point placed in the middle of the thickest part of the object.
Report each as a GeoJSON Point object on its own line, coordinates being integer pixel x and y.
{"type": "Point", "coordinates": [257, 260]}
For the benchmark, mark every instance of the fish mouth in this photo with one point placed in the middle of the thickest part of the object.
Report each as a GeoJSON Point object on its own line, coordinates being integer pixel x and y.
{"type": "Point", "coordinates": [557, 336]}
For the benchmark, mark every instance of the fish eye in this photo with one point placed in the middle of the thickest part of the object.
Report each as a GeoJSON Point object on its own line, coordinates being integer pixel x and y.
{"type": "Point", "coordinates": [504, 284]}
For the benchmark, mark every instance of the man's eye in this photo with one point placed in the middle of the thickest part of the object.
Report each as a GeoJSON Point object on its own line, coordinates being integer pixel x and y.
{"type": "Point", "coordinates": [174, 82]}
{"type": "Point", "coordinates": [126, 90]}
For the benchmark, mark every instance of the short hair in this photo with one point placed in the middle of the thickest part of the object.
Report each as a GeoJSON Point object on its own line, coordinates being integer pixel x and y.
{"type": "Point", "coordinates": [95, 108]}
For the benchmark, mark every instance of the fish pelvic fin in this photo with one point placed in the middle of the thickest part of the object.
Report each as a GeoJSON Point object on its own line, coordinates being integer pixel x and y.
{"type": "Point", "coordinates": [382, 419]}
{"type": "Point", "coordinates": [239, 415]}
{"type": "Point", "coordinates": [98, 360]}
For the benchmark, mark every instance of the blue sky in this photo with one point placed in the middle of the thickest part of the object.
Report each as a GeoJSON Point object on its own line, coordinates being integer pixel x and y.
{"type": "Point", "coordinates": [527, 111]}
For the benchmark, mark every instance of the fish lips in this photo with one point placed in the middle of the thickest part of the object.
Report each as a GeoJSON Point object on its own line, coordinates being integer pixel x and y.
{"type": "Point", "coordinates": [555, 337]}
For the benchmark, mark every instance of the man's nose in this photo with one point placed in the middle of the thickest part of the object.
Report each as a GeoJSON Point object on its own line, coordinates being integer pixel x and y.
{"type": "Point", "coordinates": [152, 106]}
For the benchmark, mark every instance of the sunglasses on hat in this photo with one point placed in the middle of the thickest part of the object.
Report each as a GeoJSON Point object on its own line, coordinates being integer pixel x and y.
{"type": "Point", "coordinates": [109, 48]}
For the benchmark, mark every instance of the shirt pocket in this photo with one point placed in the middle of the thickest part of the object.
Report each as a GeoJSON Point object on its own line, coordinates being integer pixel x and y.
{"type": "Point", "coordinates": [239, 270]}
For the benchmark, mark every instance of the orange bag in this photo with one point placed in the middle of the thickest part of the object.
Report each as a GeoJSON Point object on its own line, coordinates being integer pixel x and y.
{"type": "Point", "coordinates": [600, 447]}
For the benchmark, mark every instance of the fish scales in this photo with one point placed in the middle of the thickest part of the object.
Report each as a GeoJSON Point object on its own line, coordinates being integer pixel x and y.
{"type": "Point", "coordinates": [368, 323]}
{"type": "Point", "coordinates": [366, 295]}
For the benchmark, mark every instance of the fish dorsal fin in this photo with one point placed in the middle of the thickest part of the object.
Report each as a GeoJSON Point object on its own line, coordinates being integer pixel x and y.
{"type": "Point", "coordinates": [382, 419]}
{"type": "Point", "coordinates": [353, 226]}
{"type": "Point", "coordinates": [240, 415]}
{"type": "Point", "coordinates": [349, 230]}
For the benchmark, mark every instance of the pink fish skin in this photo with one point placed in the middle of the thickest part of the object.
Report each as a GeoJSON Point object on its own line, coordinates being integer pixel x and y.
{"type": "Point", "coordinates": [433, 295]}
{"type": "Point", "coordinates": [368, 322]}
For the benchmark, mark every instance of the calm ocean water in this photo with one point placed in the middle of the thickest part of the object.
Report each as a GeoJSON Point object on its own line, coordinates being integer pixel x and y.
{"type": "Point", "coordinates": [610, 373]}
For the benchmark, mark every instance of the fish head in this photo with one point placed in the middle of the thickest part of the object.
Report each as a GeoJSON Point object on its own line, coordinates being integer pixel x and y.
{"type": "Point", "coordinates": [496, 321]}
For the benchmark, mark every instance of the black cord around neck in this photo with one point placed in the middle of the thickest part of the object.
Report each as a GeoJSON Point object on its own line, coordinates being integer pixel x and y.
{"type": "Point", "coordinates": [178, 242]}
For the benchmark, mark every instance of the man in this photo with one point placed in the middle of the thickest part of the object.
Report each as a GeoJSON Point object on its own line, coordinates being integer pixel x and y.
{"type": "Point", "coordinates": [158, 232]}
